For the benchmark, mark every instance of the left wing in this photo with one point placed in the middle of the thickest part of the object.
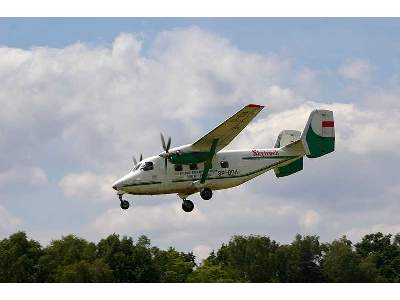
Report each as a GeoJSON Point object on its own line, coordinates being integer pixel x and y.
{"type": "Point", "coordinates": [228, 130]}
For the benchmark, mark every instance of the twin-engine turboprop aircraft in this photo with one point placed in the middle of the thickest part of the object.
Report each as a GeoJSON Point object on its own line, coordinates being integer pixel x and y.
{"type": "Point", "coordinates": [203, 166]}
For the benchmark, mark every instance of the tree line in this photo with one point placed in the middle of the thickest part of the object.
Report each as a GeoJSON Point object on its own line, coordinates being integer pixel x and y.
{"type": "Point", "coordinates": [253, 258]}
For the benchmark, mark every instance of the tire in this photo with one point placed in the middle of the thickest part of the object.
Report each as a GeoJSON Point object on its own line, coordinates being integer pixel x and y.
{"type": "Point", "coordinates": [206, 194]}
{"type": "Point", "coordinates": [124, 204]}
{"type": "Point", "coordinates": [187, 205]}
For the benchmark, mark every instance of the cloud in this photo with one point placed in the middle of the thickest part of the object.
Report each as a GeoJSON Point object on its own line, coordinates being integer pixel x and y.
{"type": "Point", "coordinates": [355, 234]}
{"type": "Point", "coordinates": [88, 186]}
{"type": "Point", "coordinates": [201, 252]}
{"type": "Point", "coordinates": [356, 69]}
{"type": "Point", "coordinates": [164, 221]}
{"type": "Point", "coordinates": [8, 223]}
{"type": "Point", "coordinates": [310, 219]}
{"type": "Point", "coordinates": [23, 176]}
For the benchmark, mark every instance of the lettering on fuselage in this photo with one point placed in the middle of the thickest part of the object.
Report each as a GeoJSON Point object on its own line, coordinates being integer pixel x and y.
{"type": "Point", "coordinates": [196, 174]}
{"type": "Point", "coordinates": [232, 172]}
{"type": "Point", "coordinates": [264, 153]}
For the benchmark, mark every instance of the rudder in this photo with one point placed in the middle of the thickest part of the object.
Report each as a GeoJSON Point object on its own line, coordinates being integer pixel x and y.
{"type": "Point", "coordinates": [318, 137]}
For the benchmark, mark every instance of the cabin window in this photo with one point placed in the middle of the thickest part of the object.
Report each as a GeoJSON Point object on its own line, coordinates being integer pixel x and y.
{"type": "Point", "coordinates": [148, 165]}
{"type": "Point", "coordinates": [224, 164]}
{"type": "Point", "coordinates": [178, 168]}
{"type": "Point", "coordinates": [193, 167]}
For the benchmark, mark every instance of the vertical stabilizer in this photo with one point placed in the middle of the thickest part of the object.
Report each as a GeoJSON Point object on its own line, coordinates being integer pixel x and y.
{"type": "Point", "coordinates": [318, 137]}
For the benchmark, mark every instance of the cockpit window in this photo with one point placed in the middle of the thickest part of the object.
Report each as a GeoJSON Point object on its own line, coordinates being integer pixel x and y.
{"type": "Point", "coordinates": [148, 165]}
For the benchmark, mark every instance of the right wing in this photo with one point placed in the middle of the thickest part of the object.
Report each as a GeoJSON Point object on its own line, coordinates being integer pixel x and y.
{"type": "Point", "coordinates": [228, 130]}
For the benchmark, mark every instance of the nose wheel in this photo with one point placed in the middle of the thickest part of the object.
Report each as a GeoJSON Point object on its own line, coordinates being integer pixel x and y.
{"type": "Point", "coordinates": [124, 203]}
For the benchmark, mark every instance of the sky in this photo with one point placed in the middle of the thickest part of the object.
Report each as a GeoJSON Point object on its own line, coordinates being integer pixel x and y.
{"type": "Point", "coordinates": [79, 97]}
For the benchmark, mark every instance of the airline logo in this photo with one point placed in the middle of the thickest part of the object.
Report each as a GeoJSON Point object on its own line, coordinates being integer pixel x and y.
{"type": "Point", "coordinates": [264, 153]}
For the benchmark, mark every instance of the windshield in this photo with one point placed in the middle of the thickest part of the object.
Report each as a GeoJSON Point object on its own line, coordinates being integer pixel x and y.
{"type": "Point", "coordinates": [148, 165]}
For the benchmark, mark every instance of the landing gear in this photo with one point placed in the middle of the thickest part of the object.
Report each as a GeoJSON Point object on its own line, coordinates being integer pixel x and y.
{"type": "Point", "coordinates": [187, 205]}
{"type": "Point", "coordinates": [206, 193]}
{"type": "Point", "coordinates": [124, 203]}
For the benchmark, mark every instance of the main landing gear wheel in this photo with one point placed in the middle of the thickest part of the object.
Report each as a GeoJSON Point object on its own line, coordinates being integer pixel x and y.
{"type": "Point", "coordinates": [206, 194]}
{"type": "Point", "coordinates": [187, 205]}
{"type": "Point", "coordinates": [124, 203]}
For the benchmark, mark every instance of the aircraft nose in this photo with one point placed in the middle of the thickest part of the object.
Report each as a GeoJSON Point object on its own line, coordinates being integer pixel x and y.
{"type": "Point", "coordinates": [117, 185]}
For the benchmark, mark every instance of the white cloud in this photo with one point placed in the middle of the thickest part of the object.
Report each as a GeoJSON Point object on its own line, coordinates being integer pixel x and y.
{"type": "Point", "coordinates": [8, 222]}
{"type": "Point", "coordinates": [310, 219]}
{"type": "Point", "coordinates": [201, 252]}
{"type": "Point", "coordinates": [355, 234]}
{"type": "Point", "coordinates": [23, 176]}
{"type": "Point", "coordinates": [88, 186]}
{"type": "Point", "coordinates": [166, 220]}
{"type": "Point", "coordinates": [95, 103]}
{"type": "Point", "coordinates": [356, 69]}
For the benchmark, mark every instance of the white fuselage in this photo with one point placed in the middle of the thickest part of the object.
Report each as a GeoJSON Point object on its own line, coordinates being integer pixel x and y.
{"type": "Point", "coordinates": [241, 166]}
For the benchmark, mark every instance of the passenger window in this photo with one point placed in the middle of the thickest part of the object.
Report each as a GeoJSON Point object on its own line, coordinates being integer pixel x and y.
{"type": "Point", "coordinates": [224, 164]}
{"type": "Point", "coordinates": [178, 168]}
{"type": "Point", "coordinates": [148, 165]}
{"type": "Point", "coordinates": [193, 167]}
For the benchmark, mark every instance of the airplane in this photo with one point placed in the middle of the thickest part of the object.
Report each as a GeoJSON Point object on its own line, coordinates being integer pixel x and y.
{"type": "Point", "coordinates": [204, 166]}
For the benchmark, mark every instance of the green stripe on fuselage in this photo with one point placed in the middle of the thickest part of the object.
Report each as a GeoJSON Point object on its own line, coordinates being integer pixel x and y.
{"type": "Point", "coordinates": [143, 183]}
{"type": "Point", "coordinates": [189, 157]}
{"type": "Point", "coordinates": [267, 157]}
{"type": "Point", "coordinates": [238, 176]}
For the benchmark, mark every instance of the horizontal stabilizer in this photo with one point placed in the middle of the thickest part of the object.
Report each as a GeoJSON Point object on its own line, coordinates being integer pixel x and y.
{"type": "Point", "coordinates": [290, 168]}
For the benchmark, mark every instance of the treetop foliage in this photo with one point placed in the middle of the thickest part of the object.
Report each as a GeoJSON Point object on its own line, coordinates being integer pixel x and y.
{"type": "Point", "coordinates": [253, 258]}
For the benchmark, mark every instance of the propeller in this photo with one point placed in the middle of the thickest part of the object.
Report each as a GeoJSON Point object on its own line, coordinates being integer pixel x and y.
{"type": "Point", "coordinates": [166, 149]}
{"type": "Point", "coordinates": [135, 163]}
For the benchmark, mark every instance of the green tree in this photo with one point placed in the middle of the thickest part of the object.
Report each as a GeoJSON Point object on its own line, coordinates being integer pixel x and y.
{"type": "Point", "coordinates": [173, 266]}
{"type": "Point", "coordinates": [73, 259]}
{"type": "Point", "coordinates": [85, 271]}
{"type": "Point", "coordinates": [342, 264]}
{"type": "Point", "coordinates": [249, 259]}
{"type": "Point", "coordinates": [129, 262]}
{"type": "Point", "coordinates": [300, 261]}
{"type": "Point", "coordinates": [210, 271]}
{"type": "Point", "coordinates": [19, 259]}
{"type": "Point", "coordinates": [383, 251]}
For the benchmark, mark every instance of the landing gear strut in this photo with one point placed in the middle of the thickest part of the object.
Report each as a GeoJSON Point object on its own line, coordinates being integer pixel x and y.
{"type": "Point", "coordinates": [206, 193]}
{"type": "Point", "coordinates": [187, 205]}
{"type": "Point", "coordinates": [124, 203]}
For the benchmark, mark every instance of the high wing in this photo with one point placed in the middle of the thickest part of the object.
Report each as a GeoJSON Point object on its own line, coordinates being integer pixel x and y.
{"type": "Point", "coordinates": [228, 130]}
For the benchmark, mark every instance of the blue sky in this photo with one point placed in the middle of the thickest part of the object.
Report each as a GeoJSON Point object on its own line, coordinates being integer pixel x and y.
{"type": "Point", "coordinates": [78, 94]}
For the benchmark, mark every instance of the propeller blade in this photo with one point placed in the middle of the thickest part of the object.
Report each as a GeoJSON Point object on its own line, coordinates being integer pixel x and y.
{"type": "Point", "coordinates": [165, 164]}
{"type": "Point", "coordinates": [163, 142]}
{"type": "Point", "coordinates": [141, 157]}
{"type": "Point", "coordinates": [134, 160]}
{"type": "Point", "coordinates": [168, 144]}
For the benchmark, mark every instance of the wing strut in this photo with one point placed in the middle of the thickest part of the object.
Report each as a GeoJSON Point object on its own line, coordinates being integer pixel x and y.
{"type": "Point", "coordinates": [207, 163]}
